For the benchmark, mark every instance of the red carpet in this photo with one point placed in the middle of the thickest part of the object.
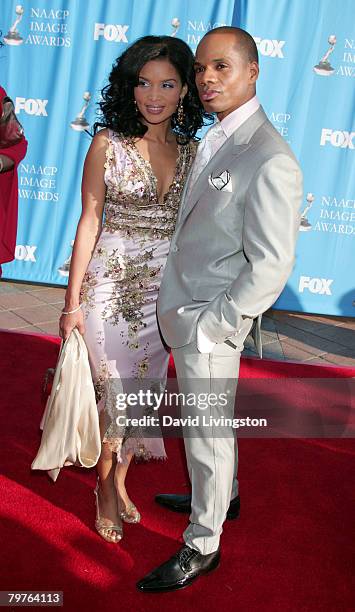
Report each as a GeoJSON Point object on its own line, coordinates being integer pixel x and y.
{"type": "Point", "coordinates": [290, 549]}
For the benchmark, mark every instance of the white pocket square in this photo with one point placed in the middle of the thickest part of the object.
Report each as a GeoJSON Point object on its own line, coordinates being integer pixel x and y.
{"type": "Point", "coordinates": [221, 182]}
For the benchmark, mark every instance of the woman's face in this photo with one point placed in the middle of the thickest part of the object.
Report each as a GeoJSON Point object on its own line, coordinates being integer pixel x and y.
{"type": "Point", "coordinates": [158, 91]}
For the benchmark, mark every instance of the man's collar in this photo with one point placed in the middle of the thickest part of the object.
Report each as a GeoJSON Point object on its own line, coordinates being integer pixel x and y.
{"type": "Point", "coordinates": [237, 117]}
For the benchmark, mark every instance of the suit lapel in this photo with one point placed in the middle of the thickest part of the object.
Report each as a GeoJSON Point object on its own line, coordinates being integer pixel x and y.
{"type": "Point", "coordinates": [183, 195]}
{"type": "Point", "coordinates": [235, 145]}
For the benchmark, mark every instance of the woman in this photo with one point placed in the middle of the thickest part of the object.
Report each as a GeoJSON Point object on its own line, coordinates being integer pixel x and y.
{"type": "Point", "coordinates": [134, 172]}
{"type": "Point", "coordinates": [13, 147]}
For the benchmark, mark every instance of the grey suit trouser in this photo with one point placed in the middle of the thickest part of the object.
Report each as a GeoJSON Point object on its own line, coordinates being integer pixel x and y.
{"type": "Point", "coordinates": [211, 452]}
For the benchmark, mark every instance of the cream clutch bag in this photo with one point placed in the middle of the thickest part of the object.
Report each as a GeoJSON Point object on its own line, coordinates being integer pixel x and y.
{"type": "Point", "coordinates": [70, 422]}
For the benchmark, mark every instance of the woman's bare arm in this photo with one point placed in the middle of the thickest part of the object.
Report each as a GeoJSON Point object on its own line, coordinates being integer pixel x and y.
{"type": "Point", "coordinates": [89, 227]}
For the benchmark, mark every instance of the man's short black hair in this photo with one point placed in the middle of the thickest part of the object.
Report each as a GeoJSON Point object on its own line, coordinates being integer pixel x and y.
{"type": "Point", "coordinates": [244, 41]}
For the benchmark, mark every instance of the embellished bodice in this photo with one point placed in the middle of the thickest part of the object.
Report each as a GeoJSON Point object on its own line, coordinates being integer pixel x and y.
{"type": "Point", "coordinates": [132, 206]}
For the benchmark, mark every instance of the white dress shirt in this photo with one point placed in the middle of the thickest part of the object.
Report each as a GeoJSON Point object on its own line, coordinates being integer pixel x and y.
{"type": "Point", "coordinates": [229, 125]}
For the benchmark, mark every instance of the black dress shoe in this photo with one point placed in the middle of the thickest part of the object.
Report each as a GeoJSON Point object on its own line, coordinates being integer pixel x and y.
{"type": "Point", "coordinates": [179, 571]}
{"type": "Point", "coordinates": [182, 503]}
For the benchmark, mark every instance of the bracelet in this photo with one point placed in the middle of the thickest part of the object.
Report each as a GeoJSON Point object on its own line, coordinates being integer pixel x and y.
{"type": "Point", "coordinates": [72, 311]}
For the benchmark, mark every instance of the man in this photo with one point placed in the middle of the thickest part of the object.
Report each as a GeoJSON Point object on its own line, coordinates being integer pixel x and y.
{"type": "Point", "coordinates": [230, 257]}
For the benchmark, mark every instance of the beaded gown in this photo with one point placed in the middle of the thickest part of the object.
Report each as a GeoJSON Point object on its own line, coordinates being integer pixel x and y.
{"type": "Point", "coordinates": [120, 290]}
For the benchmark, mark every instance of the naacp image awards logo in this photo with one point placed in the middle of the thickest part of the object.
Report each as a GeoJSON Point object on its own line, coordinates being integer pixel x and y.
{"type": "Point", "coordinates": [45, 27]}
{"type": "Point", "coordinates": [305, 225]}
{"type": "Point", "coordinates": [80, 123]}
{"type": "Point", "coordinates": [175, 23]}
{"type": "Point", "coordinates": [13, 36]}
{"type": "Point", "coordinates": [324, 67]}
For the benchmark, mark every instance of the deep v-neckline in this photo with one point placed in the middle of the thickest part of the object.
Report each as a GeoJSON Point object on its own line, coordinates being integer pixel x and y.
{"type": "Point", "coordinates": [152, 176]}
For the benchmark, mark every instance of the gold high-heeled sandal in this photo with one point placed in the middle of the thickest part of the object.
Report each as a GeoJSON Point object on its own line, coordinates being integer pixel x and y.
{"type": "Point", "coordinates": [130, 514]}
{"type": "Point", "coordinates": [104, 525]}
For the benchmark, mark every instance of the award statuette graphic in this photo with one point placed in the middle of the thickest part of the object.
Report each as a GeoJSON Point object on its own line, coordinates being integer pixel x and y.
{"type": "Point", "coordinates": [64, 269]}
{"type": "Point", "coordinates": [305, 225]}
{"type": "Point", "coordinates": [324, 68]}
{"type": "Point", "coordinates": [175, 24]}
{"type": "Point", "coordinates": [80, 124]}
{"type": "Point", "coordinates": [13, 37]}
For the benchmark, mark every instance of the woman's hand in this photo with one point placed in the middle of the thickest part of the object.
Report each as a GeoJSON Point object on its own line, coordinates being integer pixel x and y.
{"type": "Point", "coordinates": [68, 322]}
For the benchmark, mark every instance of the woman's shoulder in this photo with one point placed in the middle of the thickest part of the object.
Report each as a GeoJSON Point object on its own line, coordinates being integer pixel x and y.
{"type": "Point", "coordinates": [115, 144]}
{"type": "Point", "coordinates": [110, 134]}
{"type": "Point", "coordinates": [111, 144]}
{"type": "Point", "coordinates": [109, 139]}
{"type": "Point", "coordinates": [102, 136]}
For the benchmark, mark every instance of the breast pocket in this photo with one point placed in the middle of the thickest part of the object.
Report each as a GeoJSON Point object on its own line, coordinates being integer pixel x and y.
{"type": "Point", "coordinates": [225, 207]}
{"type": "Point", "coordinates": [221, 180]}
{"type": "Point", "coordinates": [219, 199]}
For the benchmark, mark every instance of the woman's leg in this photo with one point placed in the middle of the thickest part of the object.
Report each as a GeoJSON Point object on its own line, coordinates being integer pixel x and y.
{"type": "Point", "coordinates": [107, 496]}
{"type": "Point", "coordinates": [120, 478]}
{"type": "Point", "coordinates": [129, 512]}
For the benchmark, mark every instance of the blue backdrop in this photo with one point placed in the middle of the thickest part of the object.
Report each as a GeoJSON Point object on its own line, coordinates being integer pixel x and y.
{"type": "Point", "coordinates": [307, 69]}
{"type": "Point", "coordinates": [56, 60]}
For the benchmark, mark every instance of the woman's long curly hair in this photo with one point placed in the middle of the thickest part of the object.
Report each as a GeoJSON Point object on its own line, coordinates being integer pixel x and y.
{"type": "Point", "coordinates": [118, 109]}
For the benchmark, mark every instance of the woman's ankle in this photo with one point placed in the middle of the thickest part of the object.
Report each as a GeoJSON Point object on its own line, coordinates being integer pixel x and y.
{"type": "Point", "coordinates": [121, 488]}
{"type": "Point", "coordinates": [106, 486]}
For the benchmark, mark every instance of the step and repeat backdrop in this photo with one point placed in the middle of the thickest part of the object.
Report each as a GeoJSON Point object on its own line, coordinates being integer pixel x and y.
{"type": "Point", "coordinates": [307, 69]}
{"type": "Point", "coordinates": [56, 59]}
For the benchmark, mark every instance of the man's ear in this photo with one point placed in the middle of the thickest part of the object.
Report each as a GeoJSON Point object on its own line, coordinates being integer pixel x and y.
{"type": "Point", "coordinates": [253, 71]}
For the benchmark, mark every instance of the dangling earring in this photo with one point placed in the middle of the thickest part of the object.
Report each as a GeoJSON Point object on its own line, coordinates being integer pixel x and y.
{"type": "Point", "coordinates": [180, 112]}
{"type": "Point", "coordinates": [135, 106]}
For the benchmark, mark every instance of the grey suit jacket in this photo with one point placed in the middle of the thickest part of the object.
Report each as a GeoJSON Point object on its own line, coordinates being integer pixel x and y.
{"type": "Point", "coordinates": [233, 248]}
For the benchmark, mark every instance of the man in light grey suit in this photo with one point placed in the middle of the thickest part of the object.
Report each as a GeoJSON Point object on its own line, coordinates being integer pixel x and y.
{"type": "Point", "coordinates": [230, 257]}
